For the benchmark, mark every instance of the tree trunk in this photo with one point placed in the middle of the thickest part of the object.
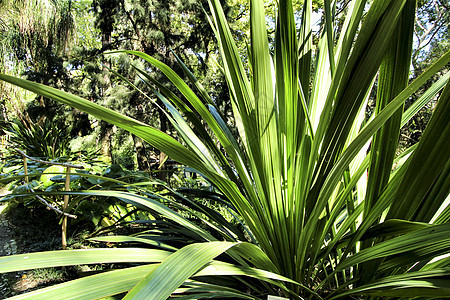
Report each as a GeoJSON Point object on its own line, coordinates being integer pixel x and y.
{"type": "Point", "coordinates": [106, 130]}
{"type": "Point", "coordinates": [143, 160]}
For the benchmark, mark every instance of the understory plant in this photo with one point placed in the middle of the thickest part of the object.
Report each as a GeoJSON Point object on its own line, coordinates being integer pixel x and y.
{"type": "Point", "coordinates": [326, 207]}
{"type": "Point", "coordinates": [39, 139]}
{"type": "Point", "coordinates": [45, 181]}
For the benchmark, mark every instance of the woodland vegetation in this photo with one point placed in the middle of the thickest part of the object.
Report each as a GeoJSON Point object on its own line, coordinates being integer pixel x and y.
{"type": "Point", "coordinates": [228, 149]}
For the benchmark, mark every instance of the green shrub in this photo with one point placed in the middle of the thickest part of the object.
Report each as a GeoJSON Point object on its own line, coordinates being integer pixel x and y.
{"type": "Point", "coordinates": [39, 140]}
{"type": "Point", "coordinates": [324, 216]}
{"type": "Point", "coordinates": [48, 182]}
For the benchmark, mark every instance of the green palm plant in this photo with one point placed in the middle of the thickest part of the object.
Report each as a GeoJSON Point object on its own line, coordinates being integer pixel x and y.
{"type": "Point", "coordinates": [327, 216]}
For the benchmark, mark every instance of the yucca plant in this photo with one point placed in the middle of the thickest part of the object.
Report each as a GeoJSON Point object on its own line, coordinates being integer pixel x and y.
{"type": "Point", "coordinates": [331, 211]}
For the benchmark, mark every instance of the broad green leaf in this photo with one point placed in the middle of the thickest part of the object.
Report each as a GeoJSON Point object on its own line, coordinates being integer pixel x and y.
{"type": "Point", "coordinates": [369, 129]}
{"type": "Point", "coordinates": [435, 237]}
{"type": "Point", "coordinates": [393, 78]}
{"type": "Point", "coordinates": [47, 176]}
{"type": "Point", "coordinates": [176, 269]}
{"type": "Point", "coordinates": [94, 286]}
{"type": "Point", "coordinates": [218, 268]}
{"type": "Point", "coordinates": [434, 283]}
{"type": "Point", "coordinates": [305, 48]}
{"type": "Point", "coordinates": [50, 259]}
{"type": "Point", "coordinates": [427, 163]}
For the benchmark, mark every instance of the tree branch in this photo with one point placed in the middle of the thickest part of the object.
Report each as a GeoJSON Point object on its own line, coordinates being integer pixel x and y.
{"type": "Point", "coordinates": [49, 206]}
{"type": "Point", "coordinates": [49, 162]}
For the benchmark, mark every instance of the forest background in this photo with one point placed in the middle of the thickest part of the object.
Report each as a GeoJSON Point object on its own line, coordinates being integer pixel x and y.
{"type": "Point", "coordinates": [60, 44]}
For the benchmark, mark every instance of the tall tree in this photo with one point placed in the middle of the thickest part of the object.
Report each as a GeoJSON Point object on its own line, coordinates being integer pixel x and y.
{"type": "Point", "coordinates": [156, 28]}
{"type": "Point", "coordinates": [36, 37]}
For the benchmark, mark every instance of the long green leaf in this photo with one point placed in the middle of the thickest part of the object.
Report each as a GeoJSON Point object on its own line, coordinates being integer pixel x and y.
{"type": "Point", "coordinates": [151, 204]}
{"type": "Point", "coordinates": [94, 286]}
{"type": "Point", "coordinates": [130, 239]}
{"type": "Point", "coordinates": [433, 284]}
{"type": "Point", "coordinates": [176, 269]}
{"type": "Point", "coordinates": [153, 136]}
{"type": "Point", "coordinates": [435, 236]}
{"type": "Point", "coordinates": [370, 128]}
{"type": "Point", "coordinates": [393, 78]}
{"type": "Point", "coordinates": [427, 163]}
{"type": "Point", "coordinates": [50, 259]}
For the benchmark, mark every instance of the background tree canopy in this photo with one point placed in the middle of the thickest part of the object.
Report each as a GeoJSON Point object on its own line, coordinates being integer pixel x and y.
{"type": "Point", "coordinates": [62, 47]}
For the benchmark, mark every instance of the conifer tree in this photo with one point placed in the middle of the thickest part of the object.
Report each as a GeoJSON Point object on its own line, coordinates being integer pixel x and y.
{"type": "Point", "coordinates": [158, 28]}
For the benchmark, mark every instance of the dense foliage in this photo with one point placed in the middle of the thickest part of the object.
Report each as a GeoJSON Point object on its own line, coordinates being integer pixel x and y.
{"type": "Point", "coordinates": [318, 203]}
